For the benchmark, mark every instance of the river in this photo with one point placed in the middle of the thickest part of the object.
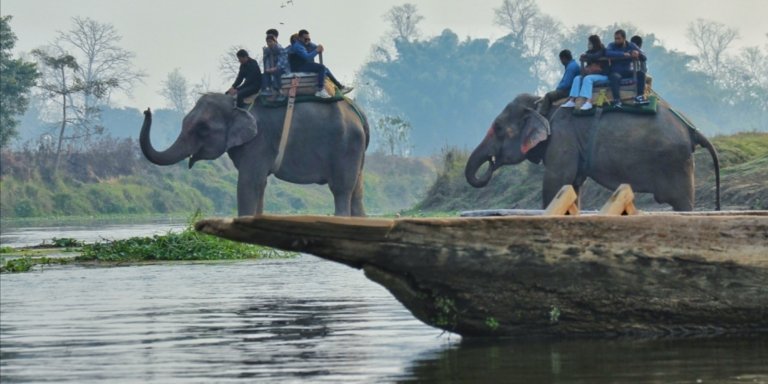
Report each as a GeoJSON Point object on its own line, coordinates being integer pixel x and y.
{"type": "Point", "coordinates": [292, 320]}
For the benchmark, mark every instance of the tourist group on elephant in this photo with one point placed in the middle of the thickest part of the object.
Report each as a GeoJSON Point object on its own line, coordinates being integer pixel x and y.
{"type": "Point", "coordinates": [278, 61]}
{"type": "Point", "coordinates": [647, 146]}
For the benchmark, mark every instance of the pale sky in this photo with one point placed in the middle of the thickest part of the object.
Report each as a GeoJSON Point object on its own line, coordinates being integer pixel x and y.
{"type": "Point", "coordinates": [192, 34]}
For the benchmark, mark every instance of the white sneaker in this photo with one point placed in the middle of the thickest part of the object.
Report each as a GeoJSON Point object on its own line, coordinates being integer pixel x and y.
{"type": "Point", "coordinates": [569, 104]}
{"type": "Point", "coordinates": [586, 106]}
{"type": "Point", "coordinates": [323, 94]}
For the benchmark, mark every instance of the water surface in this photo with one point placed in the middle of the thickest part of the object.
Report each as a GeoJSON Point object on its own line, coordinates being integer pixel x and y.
{"type": "Point", "coordinates": [297, 320]}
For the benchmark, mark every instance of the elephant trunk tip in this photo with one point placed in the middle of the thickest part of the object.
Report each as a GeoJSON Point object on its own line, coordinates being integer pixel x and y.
{"type": "Point", "coordinates": [473, 165]}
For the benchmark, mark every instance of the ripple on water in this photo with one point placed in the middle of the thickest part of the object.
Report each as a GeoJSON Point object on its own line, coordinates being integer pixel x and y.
{"type": "Point", "coordinates": [272, 319]}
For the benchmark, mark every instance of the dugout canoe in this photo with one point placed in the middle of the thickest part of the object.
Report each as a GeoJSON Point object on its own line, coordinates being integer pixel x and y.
{"type": "Point", "coordinates": [587, 275]}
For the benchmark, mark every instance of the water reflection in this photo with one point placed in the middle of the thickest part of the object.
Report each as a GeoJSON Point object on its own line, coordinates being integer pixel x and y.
{"type": "Point", "coordinates": [724, 360]}
{"type": "Point", "coordinates": [271, 320]}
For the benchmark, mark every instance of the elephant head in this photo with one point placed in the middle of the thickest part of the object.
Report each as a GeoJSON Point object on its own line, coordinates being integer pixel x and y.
{"type": "Point", "coordinates": [510, 140]}
{"type": "Point", "coordinates": [208, 130]}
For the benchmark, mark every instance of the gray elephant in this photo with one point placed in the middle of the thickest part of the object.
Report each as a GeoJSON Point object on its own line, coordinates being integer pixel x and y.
{"type": "Point", "coordinates": [326, 144]}
{"type": "Point", "coordinates": [652, 153]}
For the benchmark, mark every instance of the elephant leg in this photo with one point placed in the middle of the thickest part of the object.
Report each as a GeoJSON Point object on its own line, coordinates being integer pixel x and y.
{"type": "Point", "coordinates": [342, 201]}
{"type": "Point", "coordinates": [677, 191]}
{"type": "Point", "coordinates": [357, 197]}
{"type": "Point", "coordinates": [555, 177]}
{"type": "Point", "coordinates": [250, 194]}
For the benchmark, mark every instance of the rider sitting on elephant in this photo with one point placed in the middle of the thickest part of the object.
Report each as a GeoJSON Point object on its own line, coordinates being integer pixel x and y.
{"type": "Point", "coordinates": [248, 81]}
{"type": "Point", "coordinates": [275, 64]}
{"type": "Point", "coordinates": [594, 72]}
{"type": "Point", "coordinates": [572, 70]}
{"type": "Point", "coordinates": [301, 57]}
{"type": "Point", "coordinates": [620, 69]}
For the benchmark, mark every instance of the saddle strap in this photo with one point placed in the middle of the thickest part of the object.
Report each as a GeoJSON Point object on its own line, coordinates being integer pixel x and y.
{"type": "Point", "coordinates": [286, 124]}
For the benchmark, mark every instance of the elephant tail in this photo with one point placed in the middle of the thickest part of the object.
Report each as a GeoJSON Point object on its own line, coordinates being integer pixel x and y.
{"type": "Point", "coordinates": [699, 139]}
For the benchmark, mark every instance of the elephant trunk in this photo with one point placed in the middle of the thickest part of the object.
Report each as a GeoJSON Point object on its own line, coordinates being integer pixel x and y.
{"type": "Point", "coordinates": [172, 155]}
{"type": "Point", "coordinates": [479, 156]}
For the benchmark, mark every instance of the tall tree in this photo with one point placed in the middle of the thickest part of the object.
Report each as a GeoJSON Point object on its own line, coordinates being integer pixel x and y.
{"type": "Point", "coordinates": [17, 77]}
{"type": "Point", "coordinates": [404, 22]}
{"type": "Point", "coordinates": [537, 35]}
{"type": "Point", "coordinates": [175, 89]}
{"type": "Point", "coordinates": [517, 17]}
{"type": "Point", "coordinates": [102, 63]}
{"type": "Point", "coordinates": [711, 40]}
{"type": "Point", "coordinates": [61, 83]}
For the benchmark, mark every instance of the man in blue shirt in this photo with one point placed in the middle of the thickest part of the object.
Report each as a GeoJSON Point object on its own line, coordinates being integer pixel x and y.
{"type": "Point", "coordinates": [275, 63]}
{"type": "Point", "coordinates": [622, 53]}
{"type": "Point", "coordinates": [301, 58]}
{"type": "Point", "coordinates": [572, 69]}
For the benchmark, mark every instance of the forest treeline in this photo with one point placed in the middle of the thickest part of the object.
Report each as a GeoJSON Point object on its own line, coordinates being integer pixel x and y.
{"type": "Point", "coordinates": [67, 150]}
{"type": "Point", "coordinates": [113, 178]}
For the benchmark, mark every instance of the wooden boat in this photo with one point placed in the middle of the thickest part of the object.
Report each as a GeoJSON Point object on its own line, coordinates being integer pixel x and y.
{"type": "Point", "coordinates": [586, 275]}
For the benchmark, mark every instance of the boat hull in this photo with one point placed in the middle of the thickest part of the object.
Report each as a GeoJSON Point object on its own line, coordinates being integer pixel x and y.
{"type": "Point", "coordinates": [547, 276]}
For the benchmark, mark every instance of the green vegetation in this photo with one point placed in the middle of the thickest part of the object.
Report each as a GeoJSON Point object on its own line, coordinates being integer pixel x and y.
{"type": "Point", "coordinates": [446, 313]}
{"type": "Point", "coordinates": [113, 179]}
{"type": "Point", "coordinates": [187, 245]}
{"type": "Point", "coordinates": [554, 314]}
{"type": "Point", "coordinates": [184, 246]}
{"type": "Point", "coordinates": [17, 80]}
{"type": "Point", "coordinates": [492, 323]}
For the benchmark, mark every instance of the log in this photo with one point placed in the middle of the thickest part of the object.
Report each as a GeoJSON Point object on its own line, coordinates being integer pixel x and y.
{"type": "Point", "coordinates": [662, 274]}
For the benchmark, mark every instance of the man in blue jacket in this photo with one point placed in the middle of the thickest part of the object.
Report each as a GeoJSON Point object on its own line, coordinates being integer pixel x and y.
{"type": "Point", "coordinates": [301, 57]}
{"type": "Point", "coordinates": [624, 51]}
{"type": "Point", "coordinates": [572, 69]}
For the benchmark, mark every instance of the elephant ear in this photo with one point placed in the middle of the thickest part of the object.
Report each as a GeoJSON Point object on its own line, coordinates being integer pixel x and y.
{"type": "Point", "coordinates": [242, 129]}
{"type": "Point", "coordinates": [535, 130]}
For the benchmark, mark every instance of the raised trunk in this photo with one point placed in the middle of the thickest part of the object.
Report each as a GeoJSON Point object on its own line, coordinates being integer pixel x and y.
{"type": "Point", "coordinates": [479, 157]}
{"type": "Point", "coordinates": [177, 152]}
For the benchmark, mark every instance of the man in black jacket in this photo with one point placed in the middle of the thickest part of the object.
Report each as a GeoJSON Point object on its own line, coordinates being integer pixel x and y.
{"type": "Point", "coordinates": [250, 77]}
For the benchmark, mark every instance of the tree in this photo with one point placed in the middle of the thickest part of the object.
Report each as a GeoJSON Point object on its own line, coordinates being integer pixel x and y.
{"type": "Point", "coordinates": [711, 40]}
{"type": "Point", "coordinates": [104, 67]}
{"type": "Point", "coordinates": [535, 34]}
{"type": "Point", "coordinates": [543, 46]}
{"type": "Point", "coordinates": [176, 91]}
{"type": "Point", "coordinates": [62, 83]}
{"type": "Point", "coordinates": [17, 77]}
{"type": "Point", "coordinates": [516, 16]}
{"type": "Point", "coordinates": [446, 88]}
{"type": "Point", "coordinates": [393, 135]}
{"type": "Point", "coordinates": [404, 22]}
{"type": "Point", "coordinates": [95, 45]}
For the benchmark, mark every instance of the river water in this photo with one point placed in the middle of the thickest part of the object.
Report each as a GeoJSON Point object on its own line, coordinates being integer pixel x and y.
{"type": "Point", "coordinates": [293, 320]}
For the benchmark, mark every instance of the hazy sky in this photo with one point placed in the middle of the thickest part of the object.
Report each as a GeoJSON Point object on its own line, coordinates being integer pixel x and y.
{"type": "Point", "coordinates": [192, 34]}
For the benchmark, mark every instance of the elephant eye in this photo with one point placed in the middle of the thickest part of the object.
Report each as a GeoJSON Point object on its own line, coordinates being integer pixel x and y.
{"type": "Point", "coordinates": [203, 130]}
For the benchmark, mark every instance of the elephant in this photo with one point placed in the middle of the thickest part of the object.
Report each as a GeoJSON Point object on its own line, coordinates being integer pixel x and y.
{"type": "Point", "coordinates": [326, 144]}
{"type": "Point", "coordinates": [653, 153]}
